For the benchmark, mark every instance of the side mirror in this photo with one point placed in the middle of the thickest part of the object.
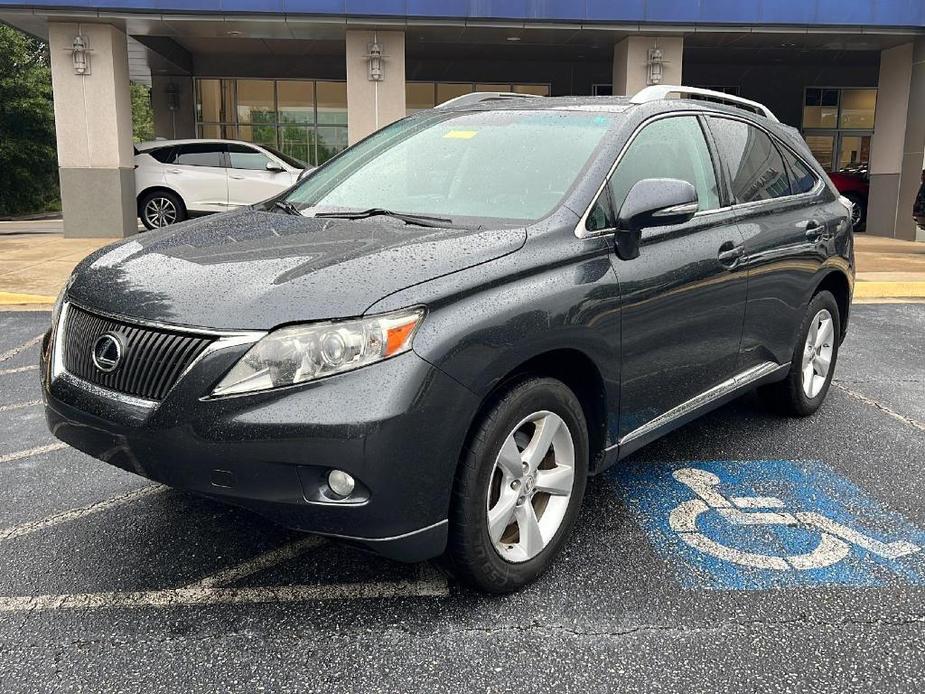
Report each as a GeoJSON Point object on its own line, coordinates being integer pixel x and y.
{"type": "Point", "coordinates": [653, 202]}
{"type": "Point", "coordinates": [273, 167]}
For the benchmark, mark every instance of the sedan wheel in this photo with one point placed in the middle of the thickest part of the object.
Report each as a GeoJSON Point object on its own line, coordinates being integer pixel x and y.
{"type": "Point", "coordinates": [530, 486]}
{"type": "Point", "coordinates": [160, 212]}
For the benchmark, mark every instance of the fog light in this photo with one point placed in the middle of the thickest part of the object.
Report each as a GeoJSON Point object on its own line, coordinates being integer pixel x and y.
{"type": "Point", "coordinates": [341, 483]}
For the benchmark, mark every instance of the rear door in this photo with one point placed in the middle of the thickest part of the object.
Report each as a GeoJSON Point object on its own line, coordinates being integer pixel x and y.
{"type": "Point", "coordinates": [683, 298]}
{"type": "Point", "coordinates": [781, 208]}
{"type": "Point", "coordinates": [249, 180]}
{"type": "Point", "coordinates": [198, 174]}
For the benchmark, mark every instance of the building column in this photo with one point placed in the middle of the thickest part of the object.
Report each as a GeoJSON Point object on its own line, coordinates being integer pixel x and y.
{"type": "Point", "coordinates": [897, 149]}
{"type": "Point", "coordinates": [93, 124]}
{"type": "Point", "coordinates": [631, 57]}
{"type": "Point", "coordinates": [375, 98]}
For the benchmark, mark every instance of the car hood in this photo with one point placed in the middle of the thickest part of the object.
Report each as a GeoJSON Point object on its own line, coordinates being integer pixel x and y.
{"type": "Point", "coordinates": [255, 270]}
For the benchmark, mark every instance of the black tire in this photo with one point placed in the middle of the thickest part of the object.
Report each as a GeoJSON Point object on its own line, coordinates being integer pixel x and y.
{"type": "Point", "coordinates": [471, 555]}
{"type": "Point", "coordinates": [788, 396]}
{"type": "Point", "coordinates": [166, 198]}
{"type": "Point", "coordinates": [860, 204]}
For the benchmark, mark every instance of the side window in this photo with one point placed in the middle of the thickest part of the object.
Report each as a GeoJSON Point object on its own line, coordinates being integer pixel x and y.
{"type": "Point", "coordinates": [755, 164]}
{"type": "Point", "coordinates": [165, 155]}
{"type": "Point", "coordinates": [200, 155]}
{"type": "Point", "coordinates": [242, 157]}
{"type": "Point", "coordinates": [668, 148]}
{"type": "Point", "coordinates": [601, 216]}
{"type": "Point", "coordinates": [802, 178]}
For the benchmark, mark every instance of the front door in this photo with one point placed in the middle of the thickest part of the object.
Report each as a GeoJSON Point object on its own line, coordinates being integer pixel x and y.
{"type": "Point", "coordinates": [684, 296]}
{"type": "Point", "coordinates": [199, 176]}
{"type": "Point", "coordinates": [249, 180]}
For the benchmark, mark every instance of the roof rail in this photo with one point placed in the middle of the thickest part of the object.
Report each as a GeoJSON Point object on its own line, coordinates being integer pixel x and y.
{"type": "Point", "coordinates": [478, 97]}
{"type": "Point", "coordinates": [659, 92]}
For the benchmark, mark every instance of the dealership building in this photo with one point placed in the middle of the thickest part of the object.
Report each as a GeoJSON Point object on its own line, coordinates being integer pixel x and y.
{"type": "Point", "coordinates": [310, 77]}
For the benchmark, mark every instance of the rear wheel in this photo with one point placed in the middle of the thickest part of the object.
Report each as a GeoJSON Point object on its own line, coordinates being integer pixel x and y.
{"type": "Point", "coordinates": [813, 363]}
{"type": "Point", "coordinates": [161, 208]}
{"type": "Point", "coordinates": [519, 486]}
{"type": "Point", "coordinates": [858, 211]}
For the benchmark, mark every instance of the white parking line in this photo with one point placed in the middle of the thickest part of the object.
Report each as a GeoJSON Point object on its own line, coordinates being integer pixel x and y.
{"type": "Point", "coordinates": [77, 513]}
{"type": "Point", "coordinates": [9, 354]}
{"type": "Point", "coordinates": [259, 563]}
{"type": "Point", "coordinates": [187, 597]}
{"type": "Point", "coordinates": [18, 370]}
{"type": "Point", "coordinates": [914, 423]}
{"type": "Point", "coordinates": [19, 455]}
{"type": "Point", "coordinates": [19, 405]}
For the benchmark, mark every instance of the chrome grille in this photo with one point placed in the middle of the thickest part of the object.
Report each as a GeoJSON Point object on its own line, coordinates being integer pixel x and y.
{"type": "Point", "coordinates": [152, 360]}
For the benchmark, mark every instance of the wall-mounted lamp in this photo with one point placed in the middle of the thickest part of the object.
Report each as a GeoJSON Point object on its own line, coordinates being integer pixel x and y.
{"type": "Point", "coordinates": [80, 55]}
{"type": "Point", "coordinates": [655, 65]}
{"type": "Point", "coordinates": [374, 59]}
{"type": "Point", "coordinates": [173, 96]}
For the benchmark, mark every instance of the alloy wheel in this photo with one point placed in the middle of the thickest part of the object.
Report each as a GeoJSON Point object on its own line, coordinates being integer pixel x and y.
{"type": "Point", "coordinates": [530, 486]}
{"type": "Point", "coordinates": [817, 353]}
{"type": "Point", "coordinates": [160, 212]}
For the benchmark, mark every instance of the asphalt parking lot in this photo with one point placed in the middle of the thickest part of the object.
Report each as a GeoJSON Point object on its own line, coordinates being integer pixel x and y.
{"type": "Point", "coordinates": [111, 584]}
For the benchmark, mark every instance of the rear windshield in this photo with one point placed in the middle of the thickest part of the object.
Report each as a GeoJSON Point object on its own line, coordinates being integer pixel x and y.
{"type": "Point", "coordinates": [507, 165]}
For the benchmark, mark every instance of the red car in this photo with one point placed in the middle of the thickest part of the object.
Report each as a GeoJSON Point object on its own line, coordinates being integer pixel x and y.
{"type": "Point", "coordinates": [854, 187]}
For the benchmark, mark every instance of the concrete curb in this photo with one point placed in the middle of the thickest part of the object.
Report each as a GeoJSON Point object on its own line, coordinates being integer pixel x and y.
{"type": "Point", "coordinates": [12, 299]}
{"type": "Point", "coordinates": [889, 290]}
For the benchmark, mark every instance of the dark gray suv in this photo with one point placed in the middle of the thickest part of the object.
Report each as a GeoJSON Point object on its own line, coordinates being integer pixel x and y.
{"type": "Point", "coordinates": [428, 345]}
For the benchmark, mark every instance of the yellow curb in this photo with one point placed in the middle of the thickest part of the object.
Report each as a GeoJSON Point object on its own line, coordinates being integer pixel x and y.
{"type": "Point", "coordinates": [8, 298]}
{"type": "Point", "coordinates": [892, 290]}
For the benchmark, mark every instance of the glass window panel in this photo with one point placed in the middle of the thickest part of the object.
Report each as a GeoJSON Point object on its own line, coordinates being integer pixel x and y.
{"type": "Point", "coordinates": [209, 100]}
{"type": "Point", "coordinates": [331, 140]}
{"type": "Point", "coordinates": [820, 108]}
{"type": "Point", "coordinates": [419, 96]}
{"type": "Point", "coordinates": [492, 87]}
{"type": "Point", "coordinates": [210, 131]}
{"type": "Point", "coordinates": [823, 149]}
{"type": "Point", "coordinates": [669, 148]}
{"type": "Point", "coordinates": [854, 153]}
{"type": "Point", "coordinates": [296, 102]}
{"type": "Point", "coordinates": [449, 90]}
{"type": "Point", "coordinates": [299, 142]}
{"type": "Point", "coordinates": [332, 102]}
{"type": "Point", "coordinates": [758, 171]}
{"type": "Point", "coordinates": [857, 108]}
{"type": "Point", "coordinates": [802, 179]}
{"type": "Point", "coordinates": [200, 155]}
{"type": "Point", "coordinates": [258, 134]}
{"type": "Point", "coordinates": [256, 101]}
{"type": "Point", "coordinates": [538, 89]}
{"type": "Point", "coordinates": [241, 157]}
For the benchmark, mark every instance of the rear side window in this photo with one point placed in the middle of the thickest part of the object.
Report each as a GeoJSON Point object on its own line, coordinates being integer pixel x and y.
{"type": "Point", "coordinates": [755, 165]}
{"type": "Point", "coordinates": [802, 179]}
{"type": "Point", "coordinates": [668, 148]}
{"type": "Point", "coordinates": [242, 157]}
{"type": "Point", "coordinates": [165, 155]}
{"type": "Point", "coordinates": [200, 155]}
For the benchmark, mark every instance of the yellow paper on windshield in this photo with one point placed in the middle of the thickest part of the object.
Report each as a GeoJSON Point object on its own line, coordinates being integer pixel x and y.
{"type": "Point", "coordinates": [461, 134]}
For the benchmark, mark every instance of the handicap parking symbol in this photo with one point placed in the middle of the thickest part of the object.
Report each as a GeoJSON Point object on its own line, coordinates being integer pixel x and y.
{"type": "Point", "coordinates": [770, 523]}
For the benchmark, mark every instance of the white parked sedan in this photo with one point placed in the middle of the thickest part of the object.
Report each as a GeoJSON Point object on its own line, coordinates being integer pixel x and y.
{"type": "Point", "coordinates": [175, 179]}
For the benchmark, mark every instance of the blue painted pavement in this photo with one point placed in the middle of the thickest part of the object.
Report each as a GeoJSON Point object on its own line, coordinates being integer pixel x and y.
{"type": "Point", "coordinates": [651, 492]}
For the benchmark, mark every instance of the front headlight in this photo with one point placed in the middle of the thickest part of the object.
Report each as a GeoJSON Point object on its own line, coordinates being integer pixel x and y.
{"type": "Point", "coordinates": [301, 353]}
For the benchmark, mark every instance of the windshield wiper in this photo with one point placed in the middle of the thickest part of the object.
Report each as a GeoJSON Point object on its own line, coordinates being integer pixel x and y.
{"type": "Point", "coordinates": [417, 219]}
{"type": "Point", "coordinates": [287, 207]}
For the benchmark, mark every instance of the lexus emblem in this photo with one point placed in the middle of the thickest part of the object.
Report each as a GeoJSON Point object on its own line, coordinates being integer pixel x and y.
{"type": "Point", "coordinates": [107, 352]}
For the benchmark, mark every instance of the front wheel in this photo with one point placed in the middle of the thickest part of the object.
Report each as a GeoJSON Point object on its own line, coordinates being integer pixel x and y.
{"type": "Point", "coordinates": [813, 363]}
{"type": "Point", "coordinates": [519, 486]}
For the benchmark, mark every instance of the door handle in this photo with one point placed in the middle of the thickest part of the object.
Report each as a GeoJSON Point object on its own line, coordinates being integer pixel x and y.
{"type": "Point", "coordinates": [729, 255]}
{"type": "Point", "coordinates": [174, 171]}
{"type": "Point", "coordinates": [813, 229]}
{"type": "Point", "coordinates": [235, 177]}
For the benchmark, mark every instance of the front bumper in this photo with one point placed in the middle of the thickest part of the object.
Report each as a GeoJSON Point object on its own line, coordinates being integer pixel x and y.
{"type": "Point", "coordinates": [397, 427]}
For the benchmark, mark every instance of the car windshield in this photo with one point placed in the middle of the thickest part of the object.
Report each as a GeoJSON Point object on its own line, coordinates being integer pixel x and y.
{"type": "Point", "coordinates": [502, 165]}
